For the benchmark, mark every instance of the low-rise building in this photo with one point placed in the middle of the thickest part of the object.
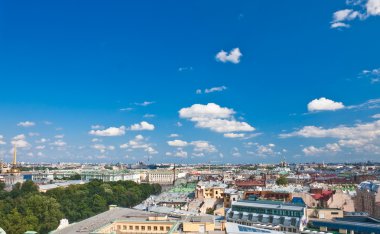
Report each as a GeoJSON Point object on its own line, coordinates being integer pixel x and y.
{"type": "Point", "coordinates": [210, 189]}
{"type": "Point", "coordinates": [274, 215]}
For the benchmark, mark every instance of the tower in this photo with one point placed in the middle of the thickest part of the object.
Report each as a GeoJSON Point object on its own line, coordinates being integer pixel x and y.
{"type": "Point", "coordinates": [14, 168]}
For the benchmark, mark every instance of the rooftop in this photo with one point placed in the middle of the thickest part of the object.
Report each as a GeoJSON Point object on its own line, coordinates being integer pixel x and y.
{"type": "Point", "coordinates": [269, 204]}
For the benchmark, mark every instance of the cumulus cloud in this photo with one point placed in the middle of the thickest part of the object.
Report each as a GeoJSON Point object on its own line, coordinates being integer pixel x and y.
{"type": "Point", "coordinates": [139, 142]}
{"type": "Point", "coordinates": [103, 148]}
{"type": "Point", "coordinates": [262, 150]}
{"type": "Point", "coordinates": [234, 135]}
{"type": "Point", "coordinates": [328, 149]}
{"type": "Point", "coordinates": [361, 137]}
{"type": "Point", "coordinates": [215, 118]}
{"type": "Point", "coordinates": [364, 9]}
{"type": "Point", "coordinates": [179, 153]}
{"type": "Point", "coordinates": [203, 146]}
{"type": "Point", "coordinates": [111, 131]}
{"type": "Point", "coordinates": [173, 135]}
{"type": "Point", "coordinates": [324, 104]}
{"type": "Point", "coordinates": [26, 124]}
{"type": "Point", "coordinates": [198, 146]}
{"type": "Point", "coordinates": [177, 143]}
{"type": "Point", "coordinates": [142, 126]}
{"type": "Point", "coordinates": [233, 56]}
{"type": "Point", "coordinates": [20, 141]}
{"type": "Point", "coordinates": [376, 116]}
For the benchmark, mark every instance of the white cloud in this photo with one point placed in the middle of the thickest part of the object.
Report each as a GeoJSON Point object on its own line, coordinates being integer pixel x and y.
{"type": "Point", "coordinates": [2, 142]}
{"type": "Point", "coordinates": [96, 140]}
{"type": "Point", "coordinates": [215, 118]}
{"type": "Point", "coordinates": [345, 15]}
{"type": "Point", "coordinates": [211, 90]}
{"type": "Point", "coordinates": [111, 131]}
{"type": "Point", "coordinates": [373, 7]}
{"type": "Point", "coordinates": [224, 125]}
{"type": "Point", "coordinates": [361, 137]}
{"type": "Point", "coordinates": [177, 143]}
{"type": "Point", "coordinates": [328, 149]}
{"type": "Point", "coordinates": [97, 126]}
{"type": "Point", "coordinates": [20, 141]}
{"type": "Point", "coordinates": [209, 111]}
{"type": "Point", "coordinates": [40, 147]}
{"type": "Point", "coordinates": [139, 142]}
{"type": "Point", "coordinates": [339, 25]}
{"type": "Point", "coordinates": [377, 116]}
{"type": "Point", "coordinates": [145, 103]}
{"type": "Point", "coordinates": [142, 126]}
{"type": "Point", "coordinates": [183, 69]}
{"type": "Point", "coordinates": [373, 75]}
{"type": "Point", "coordinates": [126, 109]}
{"type": "Point", "coordinates": [234, 135]}
{"type": "Point", "coordinates": [233, 56]}
{"type": "Point", "coordinates": [59, 143]}
{"type": "Point", "coordinates": [26, 124]}
{"type": "Point", "coordinates": [103, 148]}
{"type": "Point", "coordinates": [59, 136]}
{"type": "Point", "coordinates": [203, 146]}
{"type": "Point", "coordinates": [365, 9]}
{"type": "Point", "coordinates": [312, 150]}
{"type": "Point", "coordinates": [180, 153]}
{"type": "Point", "coordinates": [324, 104]}
{"type": "Point", "coordinates": [42, 140]}
{"type": "Point", "coordinates": [149, 116]}
{"type": "Point", "coordinates": [173, 135]}
{"type": "Point", "coordinates": [33, 134]}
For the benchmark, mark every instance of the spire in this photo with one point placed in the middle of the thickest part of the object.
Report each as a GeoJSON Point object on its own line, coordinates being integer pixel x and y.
{"type": "Point", "coordinates": [14, 163]}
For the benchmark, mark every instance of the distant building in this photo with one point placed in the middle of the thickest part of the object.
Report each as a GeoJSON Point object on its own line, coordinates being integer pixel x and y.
{"type": "Point", "coordinates": [368, 198]}
{"type": "Point", "coordinates": [274, 215]}
{"type": "Point", "coordinates": [161, 176]}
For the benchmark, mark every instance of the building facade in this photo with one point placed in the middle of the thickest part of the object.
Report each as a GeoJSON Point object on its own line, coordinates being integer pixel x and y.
{"type": "Point", "coordinates": [368, 198]}
{"type": "Point", "coordinates": [271, 214]}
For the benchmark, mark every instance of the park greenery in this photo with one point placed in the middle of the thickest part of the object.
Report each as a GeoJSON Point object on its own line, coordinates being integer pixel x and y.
{"type": "Point", "coordinates": [25, 208]}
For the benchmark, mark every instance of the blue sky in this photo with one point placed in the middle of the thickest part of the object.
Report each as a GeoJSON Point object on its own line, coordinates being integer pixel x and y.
{"type": "Point", "coordinates": [192, 82]}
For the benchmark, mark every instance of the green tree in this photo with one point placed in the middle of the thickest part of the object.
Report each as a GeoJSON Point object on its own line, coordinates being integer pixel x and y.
{"type": "Point", "coordinates": [282, 180]}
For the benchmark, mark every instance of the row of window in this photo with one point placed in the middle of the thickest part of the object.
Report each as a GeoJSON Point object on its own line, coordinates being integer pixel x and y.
{"type": "Point", "coordinates": [142, 228]}
{"type": "Point", "coordinates": [267, 211]}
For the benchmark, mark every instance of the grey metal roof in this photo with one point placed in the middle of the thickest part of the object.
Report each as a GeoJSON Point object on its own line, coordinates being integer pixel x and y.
{"type": "Point", "coordinates": [268, 205]}
{"type": "Point", "coordinates": [100, 220]}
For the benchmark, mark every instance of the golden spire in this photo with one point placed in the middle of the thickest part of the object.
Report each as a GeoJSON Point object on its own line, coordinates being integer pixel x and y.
{"type": "Point", "coordinates": [14, 163]}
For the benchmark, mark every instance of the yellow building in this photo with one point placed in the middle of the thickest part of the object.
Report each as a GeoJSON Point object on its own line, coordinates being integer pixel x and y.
{"type": "Point", "coordinates": [198, 224]}
{"type": "Point", "coordinates": [210, 189]}
{"type": "Point", "coordinates": [155, 224]}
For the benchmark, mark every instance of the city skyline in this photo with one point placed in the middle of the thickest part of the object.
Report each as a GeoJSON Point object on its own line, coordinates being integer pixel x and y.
{"type": "Point", "coordinates": [195, 82]}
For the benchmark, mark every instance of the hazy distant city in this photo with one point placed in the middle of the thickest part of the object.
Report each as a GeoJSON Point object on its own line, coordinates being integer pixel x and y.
{"type": "Point", "coordinates": [184, 117]}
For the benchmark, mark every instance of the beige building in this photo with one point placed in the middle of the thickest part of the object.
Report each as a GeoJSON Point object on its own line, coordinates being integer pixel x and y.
{"type": "Point", "coordinates": [154, 224]}
{"type": "Point", "coordinates": [161, 177]}
{"type": "Point", "coordinates": [198, 224]}
{"type": "Point", "coordinates": [210, 189]}
{"type": "Point", "coordinates": [325, 213]}
{"type": "Point", "coordinates": [368, 198]}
